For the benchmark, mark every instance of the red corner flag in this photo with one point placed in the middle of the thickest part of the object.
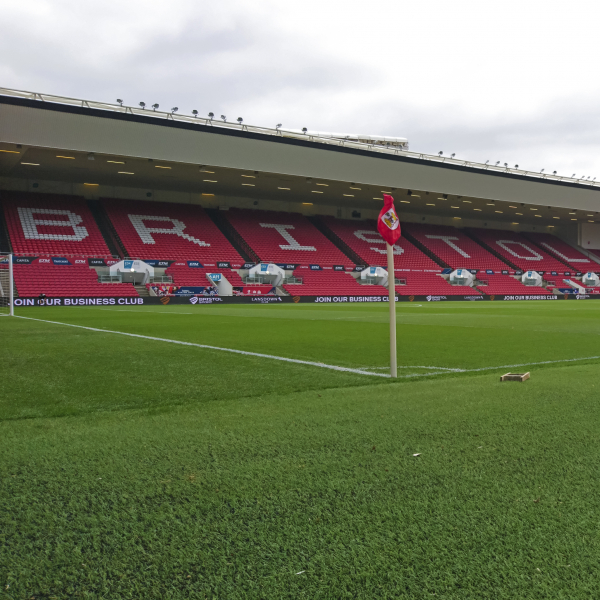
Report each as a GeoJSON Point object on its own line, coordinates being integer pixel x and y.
{"type": "Point", "coordinates": [388, 223]}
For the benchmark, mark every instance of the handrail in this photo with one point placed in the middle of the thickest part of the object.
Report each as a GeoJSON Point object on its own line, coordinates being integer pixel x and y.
{"type": "Point", "coordinates": [316, 137]}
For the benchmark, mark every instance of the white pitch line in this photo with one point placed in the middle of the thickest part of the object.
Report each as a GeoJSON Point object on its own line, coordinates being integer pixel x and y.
{"type": "Point", "coordinates": [204, 346]}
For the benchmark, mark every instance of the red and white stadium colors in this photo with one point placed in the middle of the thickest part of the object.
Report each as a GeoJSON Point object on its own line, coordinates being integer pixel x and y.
{"type": "Point", "coordinates": [562, 251]}
{"type": "Point", "coordinates": [52, 225]}
{"type": "Point", "coordinates": [454, 247]}
{"type": "Point", "coordinates": [286, 238]}
{"type": "Point", "coordinates": [505, 284]}
{"type": "Point", "coordinates": [518, 250]}
{"type": "Point", "coordinates": [161, 230]}
{"type": "Point", "coordinates": [65, 280]}
{"type": "Point", "coordinates": [315, 283]}
{"type": "Point", "coordinates": [363, 239]}
{"type": "Point", "coordinates": [424, 284]}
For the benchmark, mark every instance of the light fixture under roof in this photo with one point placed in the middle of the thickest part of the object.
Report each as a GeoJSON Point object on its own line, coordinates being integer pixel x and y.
{"type": "Point", "coordinates": [250, 176]}
{"type": "Point", "coordinates": [207, 194]}
{"type": "Point", "coordinates": [31, 164]}
{"type": "Point", "coordinates": [556, 217]}
{"type": "Point", "coordinates": [455, 207]}
{"type": "Point", "coordinates": [11, 151]}
{"type": "Point", "coordinates": [349, 195]}
{"type": "Point", "coordinates": [307, 203]}
{"type": "Point", "coordinates": [513, 207]}
{"type": "Point", "coordinates": [210, 180]}
{"type": "Point", "coordinates": [429, 204]}
{"type": "Point", "coordinates": [477, 209]}
{"type": "Point", "coordinates": [249, 184]}
{"type": "Point", "coordinates": [533, 209]}
{"type": "Point", "coordinates": [515, 223]}
{"type": "Point", "coordinates": [403, 201]}
{"type": "Point", "coordinates": [316, 191]}
{"type": "Point", "coordinates": [125, 173]}
{"type": "Point", "coordinates": [572, 213]}
{"type": "Point", "coordinates": [116, 162]}
{"type": "Point", "coordinates": [590, 221]}
{"type": "Point", "coordinates": [92, 184]}
{"type": "Point", "coordinates": [520, 214]}
{"type": "Point", "coordinates": [498, 211]}
{"type": "Point", "coordinates": [537, 215]}
{"type": "Point", "coordinates": [282, 188]}
{"type": "Point", "coordinates": [457, 217]}
{"type": "Point", "coordinates": [491, 204]}
{"type": "Point", "coordinates": [355, 188]}
{"type": "Point", "coordinates": [467, 201]}
{"type": "Point", "coordinates": [377, 198]}
{"type": "Point", "coordinates": [323, 184]}
{"type": "Point", "coordinates": [573, 219]}
{"type": "Point", "coordinates": [204, 169]}
{"type": "Point", "coordinates": [69, 157]}
{"type": "Point", "coordinates": [161, 167]}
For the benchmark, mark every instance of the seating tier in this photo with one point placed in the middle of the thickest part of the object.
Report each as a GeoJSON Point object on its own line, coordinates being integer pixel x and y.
{"type": "Point", "coordinates": [336, 283]}
{"type": "Point", "coordinates": [518, 250]}
{"type": "Point", "coordinates": [426, 284]}
{"type": "Point", "coordinates": [161, 230]}
{"type": "Point", "coordinates": [289, 238]}
{"type": "Point", "coordinates": [505, 284]}
{"type": "Point", "coordinates": [52, 225]}
{"type": "Point", "coordinates": [454, 248]}
{"type": "Point", "coordinates": [66, 281]}
{"type": "Point", "coordinates": [363, 238]}
{"type": "Point", "coordinates": [562, 251]}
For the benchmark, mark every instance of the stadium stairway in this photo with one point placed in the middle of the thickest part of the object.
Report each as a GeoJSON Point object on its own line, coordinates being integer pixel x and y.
{"type": "Point", "coordinates": [424, 249]}
{"type": "Point", "coordinates": [106, 229]}
{"type": "Point", "coordinates": [4, 239]}
{"type": "Point", "coordinates": [234, 238]}
{"type": "Point", "coordinates": [142, 290]}
{"type": "Point", "coordinates": [471, 235]}
{"type": "Point", "coordinates": [332, 237]}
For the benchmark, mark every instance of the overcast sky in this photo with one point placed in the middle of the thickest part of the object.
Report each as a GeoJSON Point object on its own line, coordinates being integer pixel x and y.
{"type": "Point", "coordinates": [515, 81]}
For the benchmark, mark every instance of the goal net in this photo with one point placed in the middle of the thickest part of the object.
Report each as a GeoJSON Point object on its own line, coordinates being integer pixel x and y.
{"type": "Point", "coordinates": [6, 285]}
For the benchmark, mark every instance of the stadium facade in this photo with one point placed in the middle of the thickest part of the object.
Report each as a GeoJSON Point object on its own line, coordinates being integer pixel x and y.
{"type": "Point", "coordinates": [198, 198]}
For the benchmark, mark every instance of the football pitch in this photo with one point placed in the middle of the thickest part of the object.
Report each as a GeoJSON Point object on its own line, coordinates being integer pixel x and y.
{"type": "Point", "coordinates": [261, 451]}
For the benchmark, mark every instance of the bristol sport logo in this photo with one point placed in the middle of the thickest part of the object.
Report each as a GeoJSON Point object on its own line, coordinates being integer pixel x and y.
{"type": "Point", "coordinates": [436, 298]}
{"type": "Point", "coordinates": [194, 299]}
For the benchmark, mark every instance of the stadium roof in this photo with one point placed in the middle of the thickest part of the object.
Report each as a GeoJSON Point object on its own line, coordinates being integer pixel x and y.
{"type": "Point", "coordinates": [49, 126]}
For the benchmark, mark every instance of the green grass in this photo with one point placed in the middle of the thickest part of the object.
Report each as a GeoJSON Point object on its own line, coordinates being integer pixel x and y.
{"type": "Point", "coordinates": [140, 469]}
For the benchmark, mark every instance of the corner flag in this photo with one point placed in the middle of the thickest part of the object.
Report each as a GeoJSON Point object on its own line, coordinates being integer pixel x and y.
{"type": "Point", "coordinates": [388, 225]}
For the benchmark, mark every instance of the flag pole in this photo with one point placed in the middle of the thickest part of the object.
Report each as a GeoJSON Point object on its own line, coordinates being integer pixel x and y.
{"type": "Point", "coordinates": [392, 300]}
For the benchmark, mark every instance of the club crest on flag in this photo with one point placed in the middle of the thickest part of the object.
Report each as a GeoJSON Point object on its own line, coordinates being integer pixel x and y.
{"type": "Point", "coordinates": [388, 223]}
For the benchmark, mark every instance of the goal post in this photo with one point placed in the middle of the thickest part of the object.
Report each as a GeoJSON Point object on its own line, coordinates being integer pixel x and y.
{"type": "Point", "coordinates": [7, 288]}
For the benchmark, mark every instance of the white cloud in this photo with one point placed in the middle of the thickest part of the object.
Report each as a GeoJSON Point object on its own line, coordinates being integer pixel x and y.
{"type": "Point", "coordinates": [512, 81]}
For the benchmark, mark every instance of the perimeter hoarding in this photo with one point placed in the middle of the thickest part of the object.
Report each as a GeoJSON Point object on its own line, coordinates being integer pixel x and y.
{"type": "Point", "coordinates": [197, 300]}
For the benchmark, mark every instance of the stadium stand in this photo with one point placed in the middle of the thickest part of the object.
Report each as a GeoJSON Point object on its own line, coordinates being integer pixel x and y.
{"type": "Point", "coordinates": [572, 258]}
{"type": "Point", "coordinates": [363, 239]}
{"type": "Point", "coordinates": [498, 284]}
{"type": "Point", "coordinates": [160, 230]}
{"type": "Point", "coordinates": [335, 283]}
{"type": "Point", "coordinates": [66, 280]}
{"type": "Point", "coordinates": [52, 225]}
{"type": "Point", "coordinates": [518, 250]}
{"type": "Point", "coordinates": [289, 238]}
{"type": "Point", "coordinates": [183, 274]}
{"type": "Point", "coordinates": [427, 284]}
{"type": "Point", "coordinates": [453, 247]}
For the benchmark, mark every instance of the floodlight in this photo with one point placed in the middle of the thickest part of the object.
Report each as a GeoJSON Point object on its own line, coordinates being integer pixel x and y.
{"type": "Point", "coordinates": [516, 166]}
{"type": "Point", "coordinates": [211, 115]}
{"type": "Point", "coordinates": [240, 120]}
{"type": "Point", "coordinates": [497, 162]}
{"type": "Point", "coordinates": [453, 155]}
{"type": "Point", "coordinates": [573, 175]}
{"type": "Point", "coordinates": [542, 171]}
{"type": "Point", "coordinates": [224, 118]}
{"type": "Point", "coordinates": [553, 172]}
{"type": "Point", "coordinates": [304, 130]}
{"type": "Point", "coordinates": [506, 165]}
{"type": "Point", "coordinates": [143, 105]}
{"type": "Point", "coordinates": [278, 126]}
{"type": "Point", "coordinates": [487, 161]}
{"type": "Point", "coordinates": [195, 113]}
{"type": "Point", "coordinates": [155, 106]}
{"type": "Point", "coordinates": [174, 110]}
{"type": "Point", "coordinates": [440, 153]}
{"type": "Point", "coordinates": [120, 102]}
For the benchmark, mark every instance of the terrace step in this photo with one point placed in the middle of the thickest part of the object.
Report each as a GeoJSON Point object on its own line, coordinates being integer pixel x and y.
{"type": "Point", "coordinates": [233, 237]}
{"type": "Point", "coordinates": [106, 229]}
{"type": "Point", "coordinates": [142, 290]}
{"type": "Point", "coordinates": [332, 237]}
{"type": "Point", "coordinates": [490, 249]}
{"type": "Point", "coordinates": [5, 245]}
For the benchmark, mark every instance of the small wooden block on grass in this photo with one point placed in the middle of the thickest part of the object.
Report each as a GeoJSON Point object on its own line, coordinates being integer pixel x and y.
{"type": "Point", "coordinates": [515, 377]}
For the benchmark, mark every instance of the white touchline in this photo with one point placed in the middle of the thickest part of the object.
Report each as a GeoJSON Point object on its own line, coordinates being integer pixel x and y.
{"type": "Point", "coordinates": [244, 352]}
